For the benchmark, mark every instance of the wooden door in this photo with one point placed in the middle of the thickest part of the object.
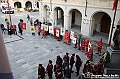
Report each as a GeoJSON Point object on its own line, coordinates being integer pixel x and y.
{"type": "Point", "coordinates": [105, 24]}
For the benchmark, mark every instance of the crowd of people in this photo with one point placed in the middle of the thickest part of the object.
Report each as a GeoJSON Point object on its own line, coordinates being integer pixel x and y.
{"type": "Point", "coordinates": [63, 68]}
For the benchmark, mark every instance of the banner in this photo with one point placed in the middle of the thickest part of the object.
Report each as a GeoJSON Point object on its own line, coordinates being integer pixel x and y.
{"type": "Point", "coordinates": [42, 25]}
{"type": "Point", "coordinates": [89, 46]}
{"type": "Point", "coordinates": [74, 40]}
{"type": "Point", "coordinates": [115, 4]}
{"type": "Point", "coordinates": [46, 27]}
{"type": "Point", "coordinates": [71, 35]}
{"type": "Point", "coordinates": [32, 29]}
{"type": "Point", "coordinates": [57, 32]}
{"type": "Point", "coordinates": [62, 31]}
{"type": "Point", "coordinates": [51, 30]}
{"type": "Point", "coordinates": [23, 26]}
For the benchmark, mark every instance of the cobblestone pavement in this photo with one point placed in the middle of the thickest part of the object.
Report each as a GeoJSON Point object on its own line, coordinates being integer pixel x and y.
{"type": "Point", "coordinates": [27, 52]}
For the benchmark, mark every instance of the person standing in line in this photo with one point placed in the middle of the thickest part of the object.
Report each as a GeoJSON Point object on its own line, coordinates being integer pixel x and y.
{"type": "Point", "coordinates": [7, 24]}
{"type": "Point", "coordinates": [79, 42]}
{"type": "Point", "coordinates": [31, 22]}
{"type": "Point", "coordinates": [78, 64]}
{"type": "Point", "coordinates": [49, 69]}
{"type": "Point", "coordinates": [99, 45]}
{"type": "Point", "coordinates": [72, 61]}
{"type": "Point", "coordinates": [14, 29]}
{"type": "Point", "coordinates": [28, 18]}
{"type": "Point", "coordinates": [20, 26]}
{"type": "Point", "coordinates": [75, 45]}
{"type": "Point", "coordinates": [41, 72]}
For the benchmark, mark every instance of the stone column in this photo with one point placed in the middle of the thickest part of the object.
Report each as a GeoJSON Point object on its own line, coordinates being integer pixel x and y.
{"type": "Point", "coordinates": [66, 22]}
{"type": "Point", "coordinates": [52, 17]}
{"type": "Point", "coordinates": [5, 70]}
{"type": "Point", "coordinates": [55, 19]}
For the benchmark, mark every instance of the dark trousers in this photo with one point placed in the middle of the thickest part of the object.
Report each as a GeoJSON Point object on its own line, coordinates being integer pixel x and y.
{"type": "Point", "coordinates": [50, 75]}
{"type": "Point", "coordinates": [78, 69]}
{"type": "Point", "coordinates": [39, 33]}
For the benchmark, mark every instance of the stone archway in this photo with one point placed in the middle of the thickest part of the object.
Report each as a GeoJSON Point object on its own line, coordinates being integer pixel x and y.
{"type": "Point", "coordinates": [101, 22]}
{"type": "Point", "coordinates": [75, 20]}
{"type": "Point", "coordinates": [100, 25]}
{"type": "Point", "coordinates": [59, 17]}
{"type": "Point", "coordinates": [28, 4]}
{"type": "Point", "coordinates": [17, 5]}
{"type": "Point", "coordinates": [37, 4]}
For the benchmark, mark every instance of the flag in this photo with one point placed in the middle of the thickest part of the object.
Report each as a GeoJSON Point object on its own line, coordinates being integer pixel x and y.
{"type": "Point", "coordinates": [89, 46]}
{"type": "Point", "coordinates": [32, 29]}
{"type": "Point", "coordinates": [71, 35]}
{"type": "Point", "coordinates": [57, 32]}
{"type": "Point", "coordinates": [51, 29]}
{"type": "Point", "coordinates": [115, 4]}
{"type": "Point", "coordinates": [23, 26]}
{"type": "Point", "coordinates": [46, 28]}
{"type": "Point", "coordinates": [62, 31]}
{"type": "Point", "coordinates": [74, 40]}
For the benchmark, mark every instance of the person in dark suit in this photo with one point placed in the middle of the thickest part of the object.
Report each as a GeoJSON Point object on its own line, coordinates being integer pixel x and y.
{"type": "Point", "coordinates": [49, 69]}
{"type": "Point", "coordinates": [41, 72]}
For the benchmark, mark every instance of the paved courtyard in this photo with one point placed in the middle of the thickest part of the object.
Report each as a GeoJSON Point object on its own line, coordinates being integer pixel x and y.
{"type": "Point", "coordinates": [26, 52]}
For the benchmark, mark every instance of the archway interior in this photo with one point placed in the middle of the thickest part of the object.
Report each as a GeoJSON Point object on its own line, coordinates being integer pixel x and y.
{"type": "Point", "coordinates": [17, 5]}
{"type": "Point", "coordinates": [59, 17]}
{"type": "Point", "coordinates": [75, 20]}
{"type": "Point", "coordinates": [46, 13]}
{"type": "Point", "coordinates": [28, 4]}
{"type": "Point", "coordinates": [100, 26]}
{"type": "Point", "coordinates": [37, 4]}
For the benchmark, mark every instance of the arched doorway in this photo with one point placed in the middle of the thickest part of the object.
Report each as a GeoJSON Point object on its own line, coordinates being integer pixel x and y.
{"type": "Point", "coordinates": [17, 5]}
{"type": "Point", "coordinates": [100, 26]}
{"type": "Point", "coordinates": [75, 20]}
{"type": "Point", "coordinates": [28, 4]}
{"type": "Point", "coordinates": [105, 23]}
{"type": "Point", "coordinates": [59, 17]}
{"type": "Point", "coordinates": [37, 4]}
{"type": "Point", "coordinates": [46, 13]}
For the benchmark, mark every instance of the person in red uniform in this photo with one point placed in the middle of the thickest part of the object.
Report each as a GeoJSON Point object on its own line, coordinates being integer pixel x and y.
{"type": "Point", "coordinates": [86, 45]}
{"type": "Point", "coordinates": [83, 45]}
{"type": "Point", "coordinates": [72, 61]}
{"type": "Point", "coordinates": [14, 29]}
{"type": "Point", "coordinates": [99, 45]}
{"type": "Point", "coordinates": [78, 64]}
{"type": "Point", "coordinates": [59, 38]}
{"type": "Point", "coordinates": [90, 54]}
{"type": "Point", "coordinates": [49, 69]}
{"type": "Point", "coordinates": [75, 45]}
{"type": "Point", "coordinates": [41, 72]}
{"type": "Point", "coordinates": [43, 33]}
{"type": "Point", "coordinates": [38, 30]}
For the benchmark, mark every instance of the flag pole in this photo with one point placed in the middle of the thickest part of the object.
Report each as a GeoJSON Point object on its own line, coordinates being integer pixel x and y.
{"type": "Point", "coordinates": [9, 13]}
{"type": "Point", "coordinates": [112, 24]}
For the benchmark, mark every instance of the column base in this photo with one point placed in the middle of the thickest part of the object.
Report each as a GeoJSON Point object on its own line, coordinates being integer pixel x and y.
{"type": "Point", "coordinates": [6, 75]}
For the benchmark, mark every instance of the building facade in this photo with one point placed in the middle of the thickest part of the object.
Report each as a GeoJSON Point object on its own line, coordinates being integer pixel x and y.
{"type": "Point", "coordinates": [86, 17]}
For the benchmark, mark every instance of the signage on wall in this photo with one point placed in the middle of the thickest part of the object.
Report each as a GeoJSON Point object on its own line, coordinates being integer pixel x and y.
{"type": "Point", "coordinates": [85, 21]}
